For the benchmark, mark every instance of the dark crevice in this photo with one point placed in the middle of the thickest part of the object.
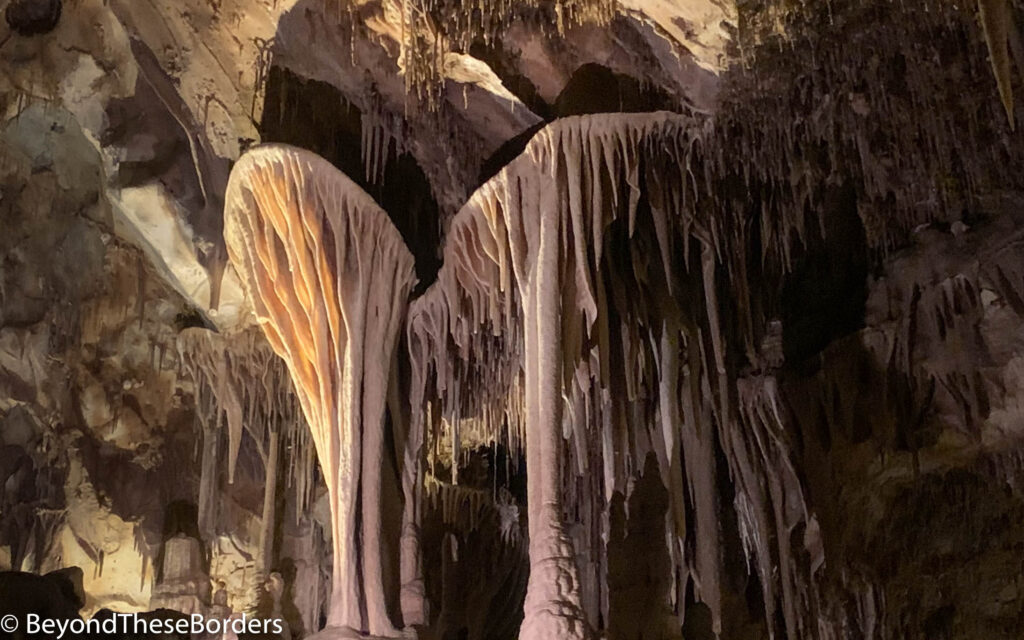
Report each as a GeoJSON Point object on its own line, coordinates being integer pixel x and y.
{"type": "Point", "coordinates": [33, 17]}
{"type": "Point", "coordinates": [594, 88]}
{"type": "Point", "coordinates": [316, 116]}
{"type": "Point", "coordinates": [823, 298]}
{"type": "Point", "coordinates": [520, 86]}
{"type": "Point", "coordinates": [507, 152]}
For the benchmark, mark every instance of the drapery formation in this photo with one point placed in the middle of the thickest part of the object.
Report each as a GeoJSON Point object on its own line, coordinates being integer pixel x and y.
{"type": "Point", "coordinates": [329, 277]}
{"type": "Point", "coordinates": [577, 313]}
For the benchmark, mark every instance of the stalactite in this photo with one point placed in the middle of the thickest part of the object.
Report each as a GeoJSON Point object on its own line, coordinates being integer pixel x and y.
{"type": "Point", "coordinates": [329, 277]}
{"type": "Point", "coordinates": [699, 456]}
{"type": "Point", "coordinates": [996, 19]}
{"type": "Point", "coordinates": [895, 98]}
{"type": "Point", "coordinates": [380, 130]}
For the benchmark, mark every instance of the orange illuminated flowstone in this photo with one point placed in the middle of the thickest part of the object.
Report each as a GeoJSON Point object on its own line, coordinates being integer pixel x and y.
{"type": "Point", "coordinates": [329, 277]}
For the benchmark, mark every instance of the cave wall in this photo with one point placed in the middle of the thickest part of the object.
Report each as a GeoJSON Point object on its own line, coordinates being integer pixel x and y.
{"type": "Point", "coordinates": [864, 170]}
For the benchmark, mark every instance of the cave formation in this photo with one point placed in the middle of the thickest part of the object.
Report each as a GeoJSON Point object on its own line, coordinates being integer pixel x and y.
{"type": "Point", "coordinates": [291, 215]}
{"type": "Point", "coordinates": [542, 319]}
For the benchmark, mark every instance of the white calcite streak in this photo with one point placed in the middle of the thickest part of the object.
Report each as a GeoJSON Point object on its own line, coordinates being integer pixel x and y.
{"type": "Point", "coordinates": [329, 277]}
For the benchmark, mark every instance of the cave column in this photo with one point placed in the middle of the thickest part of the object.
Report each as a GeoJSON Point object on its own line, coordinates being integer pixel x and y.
{"type": "Point", "coordinates": [346, 596]}
{"type": "Point", "coordinates": [672, 473]}
{"type": "Point", "coordinates": [329, 277]}
{"type": "Point", "coordinates": [552, 608]}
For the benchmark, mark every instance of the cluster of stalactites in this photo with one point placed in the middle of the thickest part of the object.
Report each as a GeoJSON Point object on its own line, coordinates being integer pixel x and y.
{"type": "Point", "coordinates": [599, 165]}
{"type": "Point", "coordinates": [489, 411]}
{"type": "Point", "coordinates": [468, 326]}
{"type": "Point", "coordinates": [380, 130]}
{"type": "Point", "coordinates": [642, 173]}
{"type": "Point", "coordinates": [894, 98]}
{"type": "Point", "coordinates": [460, 507]}
{"type": "Point", "coordinates": [433, 28]}
{"type": "Point", "coordinates": [240, 383]}
{"type": "Point", "coordinates": [996, 18]}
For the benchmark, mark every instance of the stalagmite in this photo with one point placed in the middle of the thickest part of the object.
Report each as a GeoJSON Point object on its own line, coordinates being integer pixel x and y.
{"type": "Point", "coordinates": [329, 278]}
{"type": "Point", "coordinates": [207, 481]}
{"type": "Point", "coordinates": [270, 462]}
